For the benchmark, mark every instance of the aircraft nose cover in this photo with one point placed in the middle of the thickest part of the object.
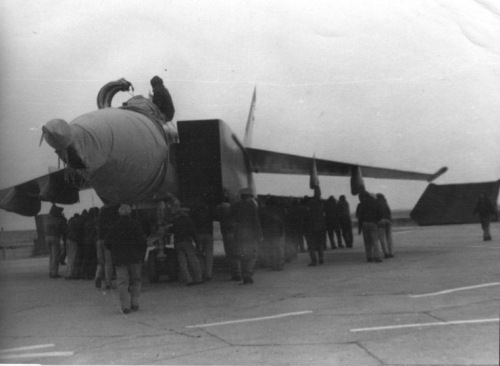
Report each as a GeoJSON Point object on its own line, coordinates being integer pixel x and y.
{"type": "Point", "coordinates": [124, 152]}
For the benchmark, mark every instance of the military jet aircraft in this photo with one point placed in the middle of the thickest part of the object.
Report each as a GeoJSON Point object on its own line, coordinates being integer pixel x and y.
{"type": "Point", "coordinates": [130, 155]}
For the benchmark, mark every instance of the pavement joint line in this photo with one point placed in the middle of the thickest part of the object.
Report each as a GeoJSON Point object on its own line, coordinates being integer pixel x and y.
{"type": "Point", "coordinates": [36, 355]}
{"type": "Point", "coordinates": [417, 325]}
{"type": "Point", "coordinates": [250, 319]}
{"type": "Point", "coordinates": [27, 348]}
{"type": "Point", "coordinates": [457, 289]}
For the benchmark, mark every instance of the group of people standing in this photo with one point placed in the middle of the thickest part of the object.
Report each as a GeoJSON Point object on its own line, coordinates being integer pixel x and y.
{"type": "Point", "coordinates": [269, 231]}
{"type": "Point", "coordinates": [266, 231]}
{"type": "Point", "coordinates": [104, 244]}
{"type": "Point", "coordinates": [74, 241]}
{"type": "Point", "coordinates": [107, 244]}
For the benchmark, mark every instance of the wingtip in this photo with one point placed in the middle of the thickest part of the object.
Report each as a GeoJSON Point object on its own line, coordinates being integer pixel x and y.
{"type": "Point", "coordinates": [437, 174]}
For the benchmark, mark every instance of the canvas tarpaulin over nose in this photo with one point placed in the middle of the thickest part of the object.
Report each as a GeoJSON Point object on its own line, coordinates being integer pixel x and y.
{"type": "Point", "coordinates": [124, 152]}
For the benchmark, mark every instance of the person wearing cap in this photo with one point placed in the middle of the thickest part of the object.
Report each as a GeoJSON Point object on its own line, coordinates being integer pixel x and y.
{"type": "Point", "coordinates": [55, 230]}
{"type": "Point", "coordinates": [127, 243]}
{"type": "Point", "coordinates": [248, 233]}
{"type": "Point", "coordinates": [162, 98]}
{"type": "Point", "coordinates": [385, 226]}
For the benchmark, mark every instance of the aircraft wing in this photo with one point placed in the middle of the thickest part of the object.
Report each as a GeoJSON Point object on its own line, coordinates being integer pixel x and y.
{"type": "Point", "coordinates": [58, 187]}
{"type": "Point", "coordinates": [264, 161]}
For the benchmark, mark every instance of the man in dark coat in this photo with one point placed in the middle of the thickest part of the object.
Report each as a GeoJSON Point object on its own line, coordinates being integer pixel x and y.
{"type": "Point", "coordinates": [108, 215]}
{"type": "Point", "coordinates": [127, 244]}
{"type": "Point", "coordinates": [369, 214]}
{"type": "Point", "coordinates": [315, 227]}
{"type": "Point", "coordinates": [486, 212]}
{"type": "Point", "coordinates": [162, 98]}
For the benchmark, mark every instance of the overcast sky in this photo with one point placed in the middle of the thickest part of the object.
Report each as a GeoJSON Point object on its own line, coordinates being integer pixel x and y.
{"type": "Point", "coordinates": [411, 85]}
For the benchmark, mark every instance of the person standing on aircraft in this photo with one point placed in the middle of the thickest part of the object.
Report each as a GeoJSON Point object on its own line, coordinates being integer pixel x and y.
{"type": "Point", "coordinates": [385, 226]}
{"type": "Point", "coordinates": [315, 228]}
{"type": "Point", "coordinates": [162, 98]}
{"type": "Point", "coordinates": [185, 233]}
{"type": "Point", "coordinates": [248, 233]}
{"type": "Point", "coordinates": [74, 242]}
{"type": "Point", "coordinates": [487, 212]}
{"type": "Point", "coordinates": [108, 215]}
{"type": "Point", "coordinates": [332, 221]}
{"type": "Point", "coordinates": [127, 243]}
{"type": "Point", "coordinates": [55, 232]}
{"type": "Point", "coordinates": [204, 223]}
{"type": "Point", "coordinates": [369, 214]}
{"type": "Point", "coordinates": [345, 221]}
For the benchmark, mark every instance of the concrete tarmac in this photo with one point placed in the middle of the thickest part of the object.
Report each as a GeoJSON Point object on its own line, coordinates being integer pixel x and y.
{"type": "Point", "coordinates": [435, 303]}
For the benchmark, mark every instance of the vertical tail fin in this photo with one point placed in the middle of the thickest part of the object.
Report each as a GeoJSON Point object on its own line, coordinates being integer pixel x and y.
{"type": "Point", "coordinates": [247, 141]}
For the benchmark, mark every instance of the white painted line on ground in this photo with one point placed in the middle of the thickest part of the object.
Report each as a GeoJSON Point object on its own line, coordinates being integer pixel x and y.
{"type": "Point", "coordinates": [27, 348]}
{"type": "Point", "coordinates": [458, 322]}
{"type": "Point", "coordinates": [484, 246]}
{"type": "Point", "coordinates": [250, 319]}
{"type": "Point", "coordinates": [36, 355]}
{"type": "Point", "coordinates": [458, 289]}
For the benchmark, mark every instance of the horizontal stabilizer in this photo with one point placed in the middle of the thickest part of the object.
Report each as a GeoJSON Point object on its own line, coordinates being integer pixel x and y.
{"type": "Point", "coordinates": [452, 204]}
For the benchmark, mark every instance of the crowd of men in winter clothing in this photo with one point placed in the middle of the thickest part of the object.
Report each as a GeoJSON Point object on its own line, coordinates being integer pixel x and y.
{"type": "Point", "coordinates": [281, 227]}
{"type": "Point", "coordinates": [109, 244]}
